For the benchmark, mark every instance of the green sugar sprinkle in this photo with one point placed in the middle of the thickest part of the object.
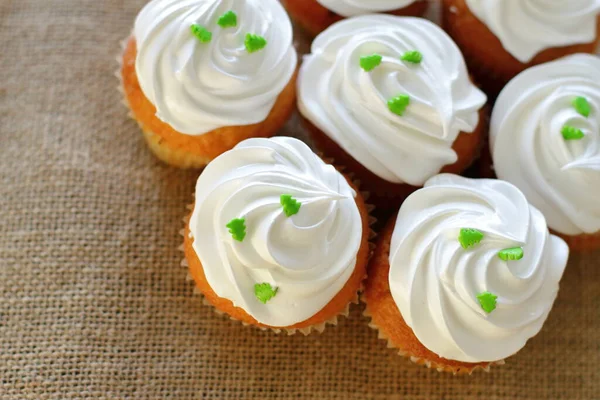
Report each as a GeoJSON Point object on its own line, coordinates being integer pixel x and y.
{"type": "Point", "coordinates": [469, 237]}
{"type": "Point", "coordinates": [398, 104]}
{"type": "Point", "coordinates": [201, 33]}
{"type": "Point", "coordinates": [237, 228]}
{"type": "Point", "coordinates": [290, 205]}
{"type": "Point", "coordinates": [414, 57]}
{"type": "Point", "coordinates": [254, 43]}
{"type": "Point", "coordinates": [228, 20]}
{"type": "Point", "coordinates": [512, 254]}
{"type": "Point", "coordinates": [582, 106]}
{"type": "Point", "coordinates": [368, 63]}
{"type": "Point", "coordinates": [487, 301]}
{"type": "Point", "coordinates": [264, 292]}
{"type": "Point", "coordinates": [571, 133]}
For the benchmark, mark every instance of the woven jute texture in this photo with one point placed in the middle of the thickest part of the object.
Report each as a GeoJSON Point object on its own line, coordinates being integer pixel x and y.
{"type": "Point", "coordinates": [93, 303]}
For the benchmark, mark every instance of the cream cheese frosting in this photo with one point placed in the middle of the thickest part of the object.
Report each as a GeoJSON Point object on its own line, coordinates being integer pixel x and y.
{"type": "Point", "coordinates": [349, 104]}
{"type": "Point", "coordinates": [307, 257]}
{"type": "Point", "coordinates": [348, 8]}
{"type": "Point", "coordinates": [560, 177]}
{"type": "Point", "coordinates": [526, 27]}
{"type": "Point", "coordinates": [198, 87]}
{"type": "Point", "coordinates": [435, 281]}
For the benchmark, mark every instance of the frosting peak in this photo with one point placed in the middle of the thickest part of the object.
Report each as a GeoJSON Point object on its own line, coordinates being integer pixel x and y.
{"type": "Point", "coordinates": [306, 252]}
{"type": "Point", "coordinates": [350, 104]}
{"type": "Point", "coordinates": [475, 301]}
{"type": "Point", "coordinates": [542, 143]}
{"type": "Point", "coordinates": [199, 84]}
{"type": "Point", "coordinates": [526, 27]}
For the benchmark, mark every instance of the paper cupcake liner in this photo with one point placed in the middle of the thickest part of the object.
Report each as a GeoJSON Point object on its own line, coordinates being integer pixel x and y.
{"type": "Point", "coordinates": [118, 74]}
{"type": "Point", "coordinates": [320, 327]}
{"type": "Point", "coordinates": [422, 361]}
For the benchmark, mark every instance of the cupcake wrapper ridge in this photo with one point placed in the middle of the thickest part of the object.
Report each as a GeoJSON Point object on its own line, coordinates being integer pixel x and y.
{"type": "Point", "coordinates": [421, 361]}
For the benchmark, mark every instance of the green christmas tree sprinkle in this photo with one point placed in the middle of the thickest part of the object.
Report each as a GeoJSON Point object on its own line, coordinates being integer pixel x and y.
{"type": "Point", "coordinates": [228, 20]}
{"type": "Point", "coordinates": [487, 301]}
{"type": "Point", "coordinates": [201, 33]}
{"type": "Point", "coordinates": [582, 106]}
{"type": "Point", "coordinates": [469, 237]}
{"type": "Point", "coordinates": [254, 43]}
{"type": "Point", "coordinates": [414, 57]}
{"type": "Point", "coordinates": [368, 63]}
{"type": "Point", "coordinates": [237, 228]}
{"type": "Point", "coordinates": [571, 133]}
{"type": "Point", "coordinates": [512, 254]}
{"type": "Point", "coordinates": [290, 205]}
{"type": "Point", "coordinates": [398, 104]}
{"type": "Point", "coordinates": [264, 292]}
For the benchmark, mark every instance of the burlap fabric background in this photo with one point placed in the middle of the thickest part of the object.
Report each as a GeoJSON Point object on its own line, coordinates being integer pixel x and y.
{"type": "Point", "coordinates": [93, 303]}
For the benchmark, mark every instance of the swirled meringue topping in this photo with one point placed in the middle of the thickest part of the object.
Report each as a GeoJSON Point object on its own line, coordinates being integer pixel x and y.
{"type": "Point", "coordinates": [202, 72]}
{"type": "Point", "coordinates": [526, 27]}
{"type": "Point", "coordinates": [400, 118]}
{"type": "Point", "coordinates": [456, 277]}
{"type": "Point", "coordinates": [348, 8]}
{"type": "Point", "coordinates": [271, 213]}
{"type": "Point", "coordinates": [544, 142]}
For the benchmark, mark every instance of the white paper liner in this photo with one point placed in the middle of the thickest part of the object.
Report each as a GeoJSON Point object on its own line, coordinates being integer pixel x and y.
{"type": "Point", "coordinates": [119, 76]}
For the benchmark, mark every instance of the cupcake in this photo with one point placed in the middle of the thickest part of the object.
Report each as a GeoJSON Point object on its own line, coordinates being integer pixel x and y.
{"type": "Point", "coordinates": [277, 238]}
{"type": "Point", "coordinates": [202, 75]}
{"type": "Point", "coordinates": [545, 139]}
{"type": "Point", "coordinates": [465, 275]}
{"type": "Point", "coordinates": [316, 15]}
{"type": "Point", "coordinates": [501, 38]}
{"type": "Point", "coordinates": [390, 98]}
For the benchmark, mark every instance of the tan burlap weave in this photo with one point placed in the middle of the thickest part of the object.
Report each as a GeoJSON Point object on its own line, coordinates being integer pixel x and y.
{"type": "Point", "coordinates": [93, 303]}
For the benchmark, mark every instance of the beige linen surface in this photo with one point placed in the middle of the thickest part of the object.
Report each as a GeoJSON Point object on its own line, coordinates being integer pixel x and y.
{"type": "Point", "coordinates": [93, 303]}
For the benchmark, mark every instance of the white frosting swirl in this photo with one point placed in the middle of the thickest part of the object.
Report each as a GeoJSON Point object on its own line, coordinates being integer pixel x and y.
{"type": "Point", "coordinates": [435, 282]}
{"type": "Point", "coordinates": [350, 105]}
{"type": "Point", "coordinates": [526, 27]}
{"type": "Point", "coordinates": [560, 177]}
{"type": "Point", "coordinates": [198, 87]}
{"type": "Point", "coordinates": [348, 8]}
{"type": "Point", "coordinates": [308, 257]}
